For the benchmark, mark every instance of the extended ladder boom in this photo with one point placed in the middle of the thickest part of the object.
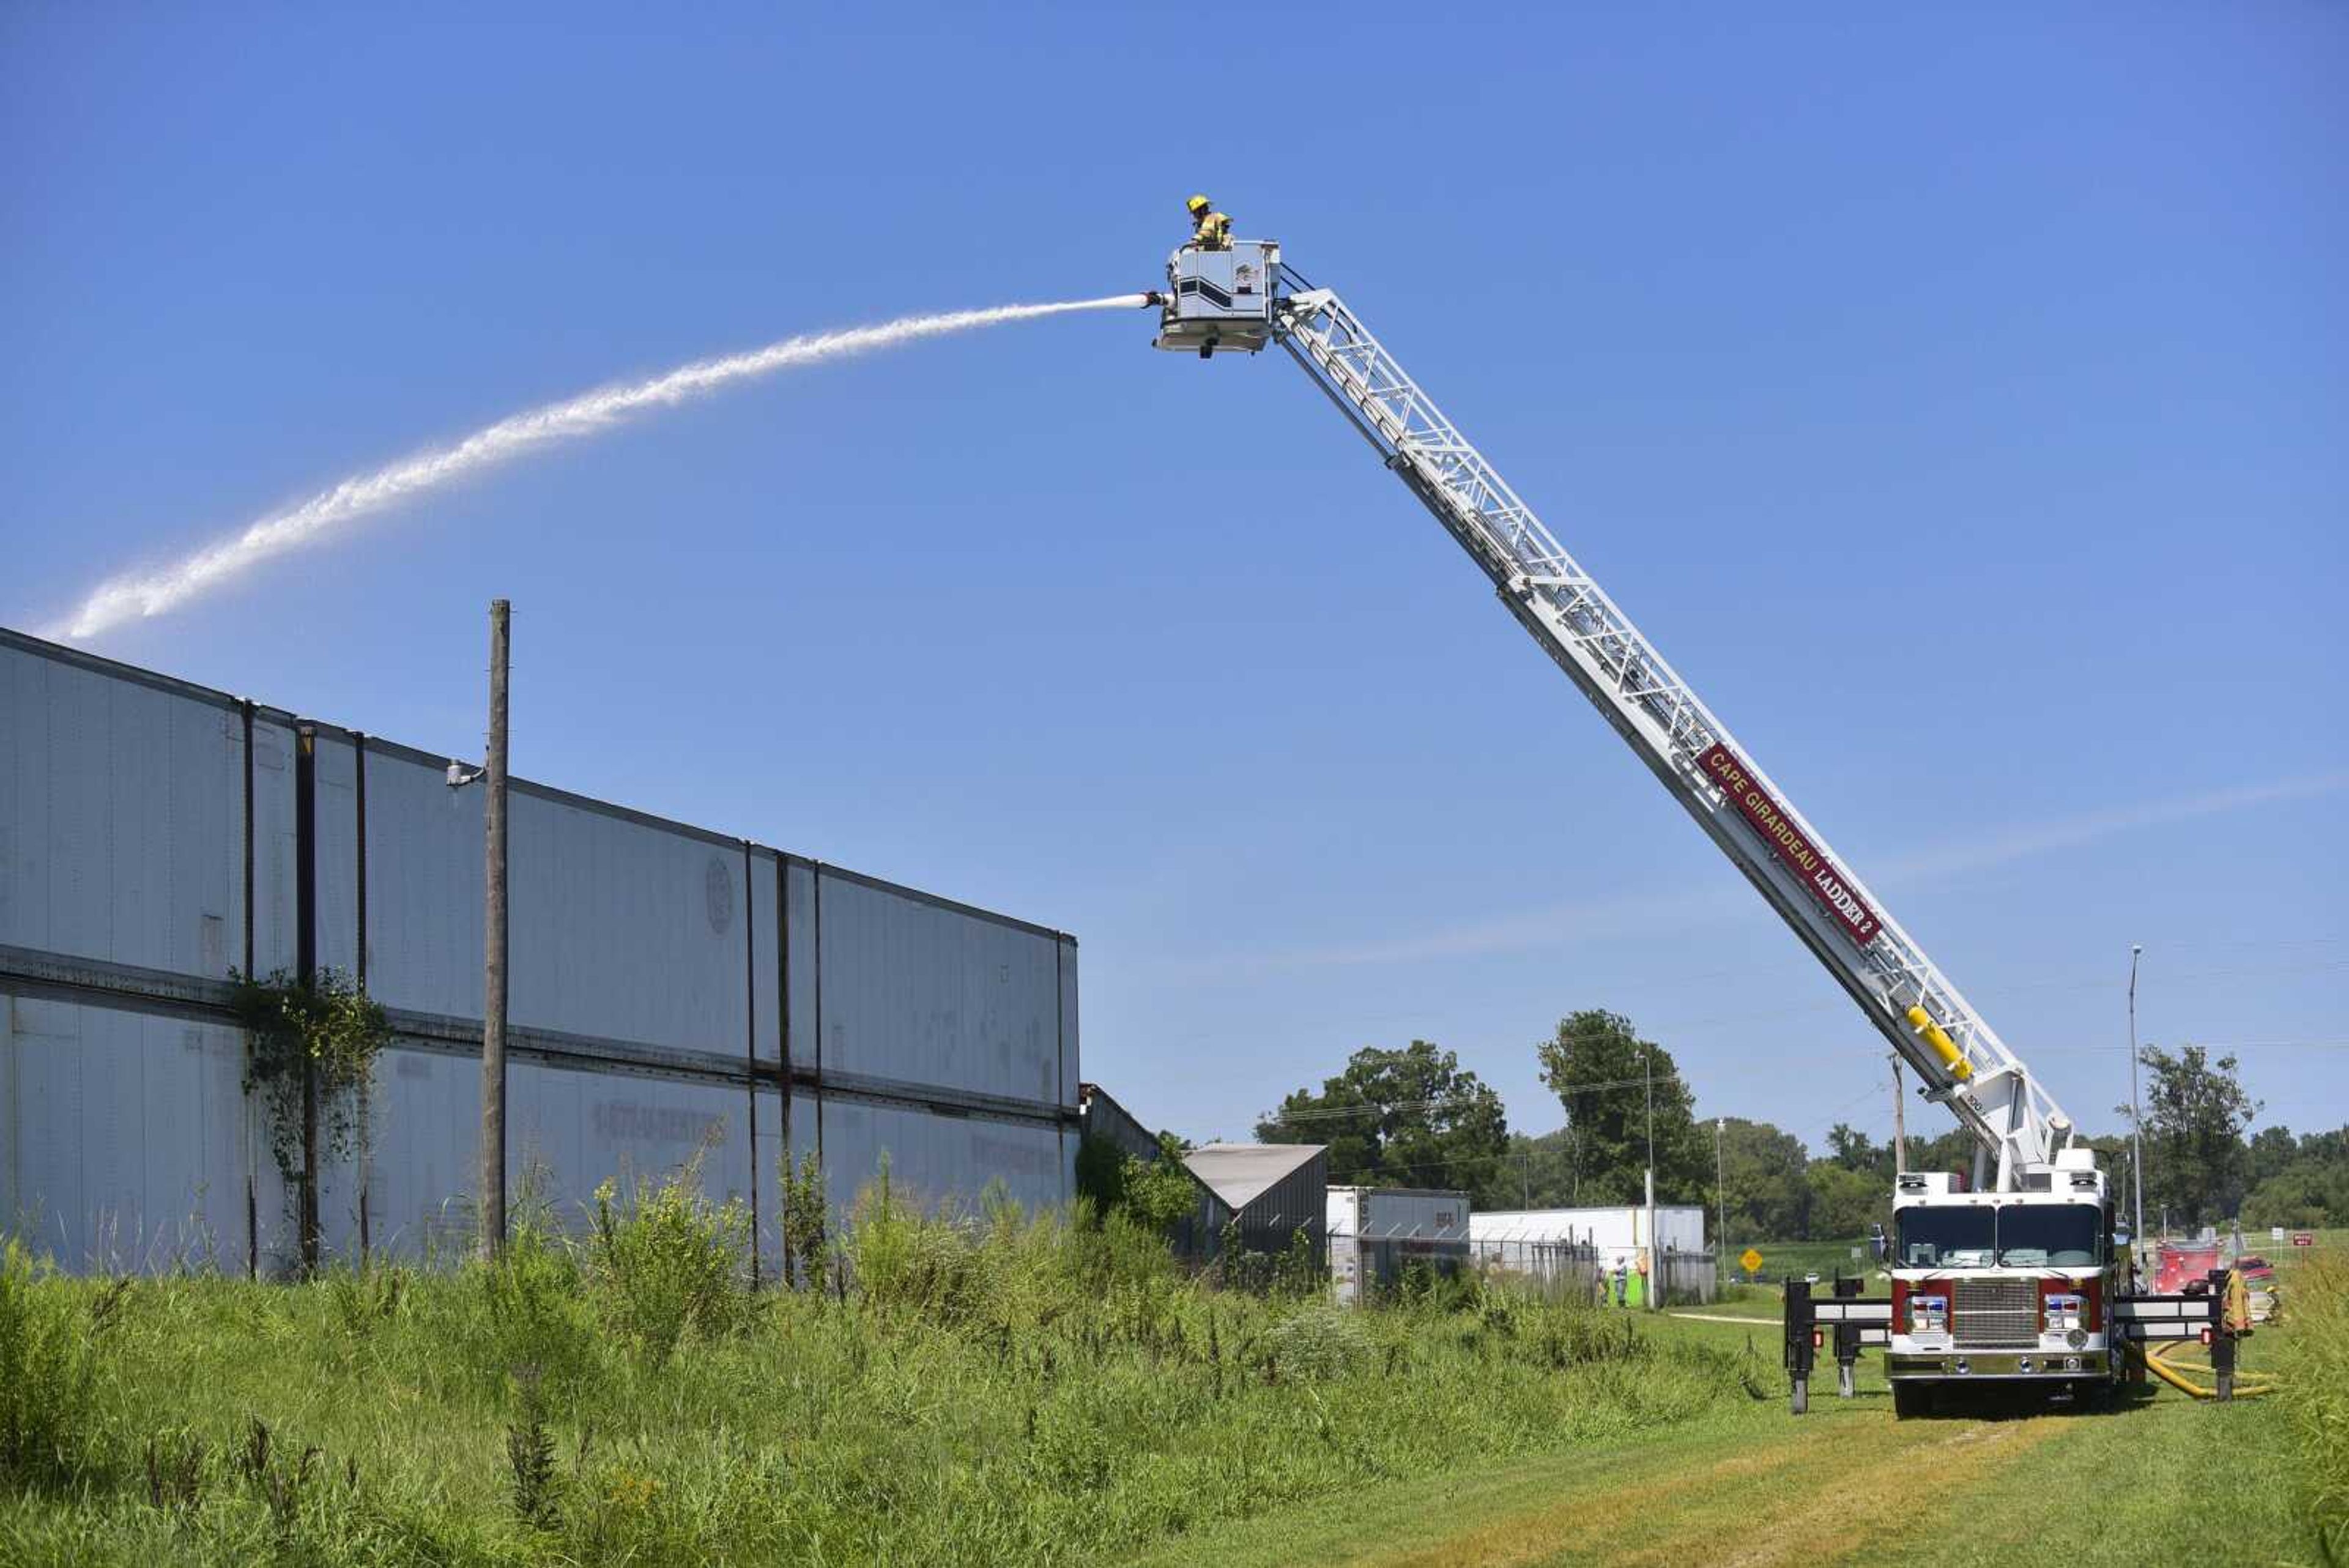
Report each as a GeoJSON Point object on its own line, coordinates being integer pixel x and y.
{"type": "Point", "coordinates": [1954, 1049]}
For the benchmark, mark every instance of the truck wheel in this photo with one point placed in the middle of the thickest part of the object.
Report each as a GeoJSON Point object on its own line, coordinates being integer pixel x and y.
{"type": "Point", "coordinates": [1911, 1400]}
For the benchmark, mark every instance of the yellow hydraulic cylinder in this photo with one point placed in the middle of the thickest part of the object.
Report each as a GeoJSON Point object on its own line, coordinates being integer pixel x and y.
{"type": "Point", "coordinates": [1936, 1036]}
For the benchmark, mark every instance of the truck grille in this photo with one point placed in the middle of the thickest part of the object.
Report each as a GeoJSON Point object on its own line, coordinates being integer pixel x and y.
{"type": "Point", "coordinates": [1995, 1313]}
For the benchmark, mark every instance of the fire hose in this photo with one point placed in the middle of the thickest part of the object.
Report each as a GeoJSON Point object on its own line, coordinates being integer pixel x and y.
{"type": "Point", "coordinates": [2157, 1361]}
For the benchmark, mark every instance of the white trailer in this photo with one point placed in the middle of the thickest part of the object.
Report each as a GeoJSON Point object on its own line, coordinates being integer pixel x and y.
{"type": "Point", "coordinates": [1377, 1233]}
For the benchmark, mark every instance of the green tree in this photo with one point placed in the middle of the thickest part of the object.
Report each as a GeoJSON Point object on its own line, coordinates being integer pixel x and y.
{"type": "Point", "coordinates": [1412, 1117]}
{"type": "Point", "coordinates": [2195, 1109]}
{"type": "Point", "coordinates": [1765, 1174]}
{"type": "Point", "coordinates": [2271, 1149]}
{"type": "Point", "coordinates": [1844, 1201]}
{"type": "Point", "coordinates": [2305, 1194]}
{"type": "Point", "coordinates": [1536, 1172]}
{"type": "Point", "coordinates": [1855, 1150]}
{"type": "Point", "coordinates": [1952, 1152]}
{"type": "Point", "coordinates": [1159, 1192]}
{"type": "Point", "coordinates": [1601, 1071]}
{"type": "Point", "coordinates": [2327, 1146]}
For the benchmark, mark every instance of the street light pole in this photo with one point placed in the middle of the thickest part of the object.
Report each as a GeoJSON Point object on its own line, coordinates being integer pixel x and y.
{"type": "Point", "coordinates": [2136, 1114]}
{"type": "Point", "coordinates": [1655, 1258]}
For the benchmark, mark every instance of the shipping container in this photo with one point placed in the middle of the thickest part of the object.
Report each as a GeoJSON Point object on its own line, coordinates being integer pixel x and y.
{"type": "Point", "coordinates": [126, 806]}
{"type": "Point", "coordinates": [1377, 1233]}
{"type": "Point", "coordinates": [123, 1137]}
{"type": "Point", "coordinates": [568, 1130]}
{"type": "Point", "coordinates": [941, 1163]}
{"type": "Point", "coordinates": [622, 928]}
{"type": "Point", "coordinates": [916, 989]}
{"type": "Point", "coordinates": [675, 992]}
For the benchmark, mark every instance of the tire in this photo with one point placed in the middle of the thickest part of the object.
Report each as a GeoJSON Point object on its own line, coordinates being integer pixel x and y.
{"type": "Point", "coordinates": [1910, 1400]}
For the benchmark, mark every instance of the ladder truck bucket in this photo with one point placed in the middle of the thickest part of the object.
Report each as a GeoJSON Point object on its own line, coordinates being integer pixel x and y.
{"type": "Point", "coordinates": [1220, 300]}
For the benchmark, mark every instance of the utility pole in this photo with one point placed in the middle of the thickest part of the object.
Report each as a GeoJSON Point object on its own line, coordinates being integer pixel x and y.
{"type": "Point", "coordinates": [1721, 1189]}
{"type": "Point", "coordinates": [1899, 1123]}
{"type": "Point", "coordinates": [2137, 1115]}
{"type": "Point", "coordinates": [1655, 1258]}
{"type": "Point", "coordinates": [493, 962]}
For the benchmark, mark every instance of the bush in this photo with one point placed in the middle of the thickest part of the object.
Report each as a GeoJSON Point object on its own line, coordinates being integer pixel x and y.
{"type": "Point", "coordinates": [1159, 1193]}
{"type": "Point", "coordinates": [529, 1321]}
{"type": "Point", "coordinates": [664, 1259]}
{"type": "Point", "coordinates": [1321, 1344]}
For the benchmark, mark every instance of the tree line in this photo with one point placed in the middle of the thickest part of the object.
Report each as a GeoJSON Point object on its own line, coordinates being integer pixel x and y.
{"type": "Point", "coordinates": [1413, 1117]}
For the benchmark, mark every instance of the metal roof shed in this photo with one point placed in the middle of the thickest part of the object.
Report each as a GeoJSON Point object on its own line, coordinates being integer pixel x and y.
{"type": "Point", "coordinates": [1274, 1190]}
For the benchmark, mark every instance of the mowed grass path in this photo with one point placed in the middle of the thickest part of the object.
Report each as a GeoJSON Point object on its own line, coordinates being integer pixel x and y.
{"type": "Point", "coordinates": [2141, 1482]}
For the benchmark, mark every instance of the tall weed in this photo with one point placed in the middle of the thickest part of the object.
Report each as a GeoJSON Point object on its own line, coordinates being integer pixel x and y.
{"type": "Point", "coordinates": [523, 1317]}
{"type": "Point", "coordinates": [664, 1259]}
{"type": "Point", "coordinates": [985, 1387]}
{"type": "Point", "coordinates": [903, 1260]}
{"type": "Point", "coordinates": [2316, 1393]}
{"type": "Point", "coordinates": [51, 1358]}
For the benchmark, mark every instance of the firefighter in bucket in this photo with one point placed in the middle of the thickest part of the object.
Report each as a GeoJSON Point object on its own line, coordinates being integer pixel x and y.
{"type": "Point", "coordinates": [1210, 230]}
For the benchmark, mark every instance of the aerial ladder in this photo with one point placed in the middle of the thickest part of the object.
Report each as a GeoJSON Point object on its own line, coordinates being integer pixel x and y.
{"type": "Point", "coordinates": [2065, 1309]}
{"type": "Point", "coordinates": [1244, 298]}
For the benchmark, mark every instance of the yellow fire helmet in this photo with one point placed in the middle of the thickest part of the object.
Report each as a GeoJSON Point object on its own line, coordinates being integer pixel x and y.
{"type": "Point", "coordinates": [1196, 205]}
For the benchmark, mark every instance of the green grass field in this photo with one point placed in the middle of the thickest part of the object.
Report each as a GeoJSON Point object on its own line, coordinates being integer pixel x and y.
{"type": "Point", "coordinates": [1751, 1483]}
{"type": "Point", "coordinates": [1016, 1391]}
{"type": "Point", "coordinates": [1780, 1259]}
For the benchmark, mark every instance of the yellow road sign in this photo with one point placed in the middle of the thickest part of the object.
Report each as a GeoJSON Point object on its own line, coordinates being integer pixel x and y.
{"type": "Point", "coordinates": [1749, 1259]}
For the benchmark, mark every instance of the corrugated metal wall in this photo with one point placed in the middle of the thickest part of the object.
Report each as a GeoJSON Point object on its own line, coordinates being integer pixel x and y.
{"type": "Point", "coordinates": [1297, 1201]}
{"type": "Point", "coordinates": [675, 992]}
{"type": "Point", "coordinates": [1105, 1119]}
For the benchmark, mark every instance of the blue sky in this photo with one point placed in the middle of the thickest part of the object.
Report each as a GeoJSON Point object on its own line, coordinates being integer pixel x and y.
{"type": "Point", "coordinates": [1960, 406]}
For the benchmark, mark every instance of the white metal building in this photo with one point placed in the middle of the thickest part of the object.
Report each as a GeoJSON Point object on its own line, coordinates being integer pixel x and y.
{"type": "Point", "coordinates": [675, 992]}
{"type": "Point", "coordinates": [1619, 1234]}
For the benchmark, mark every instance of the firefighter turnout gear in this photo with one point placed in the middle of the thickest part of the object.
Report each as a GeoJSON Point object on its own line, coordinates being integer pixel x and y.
{"type": "Point", "coordinates": [1210, 230]}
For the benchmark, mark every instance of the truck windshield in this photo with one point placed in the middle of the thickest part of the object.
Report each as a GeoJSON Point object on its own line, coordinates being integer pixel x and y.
{"type": "Point", "coordinates": [1945, 1238]}
{"type": "Point", "coordinates": [2011, 1236]}
{"type": "Point", "coordinates": [2050, 1236]}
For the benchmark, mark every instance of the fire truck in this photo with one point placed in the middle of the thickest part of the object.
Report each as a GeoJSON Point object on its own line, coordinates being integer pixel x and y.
{"type": "Point", "coordinates": [2005, 1286]}
{"type": "Point", "coordinates": [2012, 1273]}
